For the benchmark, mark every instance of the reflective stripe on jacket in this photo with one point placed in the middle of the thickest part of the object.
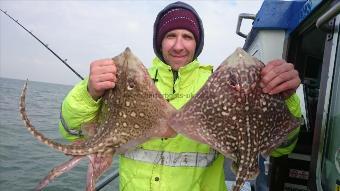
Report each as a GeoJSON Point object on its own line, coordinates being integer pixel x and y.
{"type": "Point", "coordinates": [177, 163]}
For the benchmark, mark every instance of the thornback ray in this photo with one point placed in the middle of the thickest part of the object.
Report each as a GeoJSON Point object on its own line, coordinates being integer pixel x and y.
{"type": "Point", "coordinates": [132, 112]}
{"type": "Point", "coordinates": [232, 114]}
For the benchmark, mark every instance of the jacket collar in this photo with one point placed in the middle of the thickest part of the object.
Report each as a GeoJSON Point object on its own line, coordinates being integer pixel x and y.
{"type": "Point", "coordinates": [185, 74]}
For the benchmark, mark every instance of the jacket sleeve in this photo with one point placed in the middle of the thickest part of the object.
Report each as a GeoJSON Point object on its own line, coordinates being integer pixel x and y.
{"type": "Point", "coordinates": [77, 109]}
{"type": "Point", "coordinates": [293, 104]}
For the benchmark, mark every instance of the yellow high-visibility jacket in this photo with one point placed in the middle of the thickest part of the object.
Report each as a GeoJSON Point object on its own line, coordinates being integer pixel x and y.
{"type": "Point", "coordinates": [172, 164]}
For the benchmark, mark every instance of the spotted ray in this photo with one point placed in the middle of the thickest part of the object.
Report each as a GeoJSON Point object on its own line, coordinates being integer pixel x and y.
{"type": "Point", "coordinates": [233, 115]}
{"type": "Point", "coordinates": [132, 112]}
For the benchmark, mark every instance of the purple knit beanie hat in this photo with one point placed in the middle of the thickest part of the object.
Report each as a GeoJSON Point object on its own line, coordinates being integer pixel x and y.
{"type": "Point", "coordinates": [177, 18]}
{"type": "Point", "coordinates": [177, 15]}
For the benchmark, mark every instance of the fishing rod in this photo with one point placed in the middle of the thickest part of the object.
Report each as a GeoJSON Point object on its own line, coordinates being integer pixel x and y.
{"type": "Point", "coordinates": [45, 45]}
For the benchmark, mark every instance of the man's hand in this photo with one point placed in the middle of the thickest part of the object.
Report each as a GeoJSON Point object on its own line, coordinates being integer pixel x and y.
{"type": "Point", "coordinates": [279, 76]}
{"type": "Point", "coordinates": [102, 77]}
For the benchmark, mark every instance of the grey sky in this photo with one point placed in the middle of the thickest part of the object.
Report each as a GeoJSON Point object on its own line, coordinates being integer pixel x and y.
{"type": "Point", "coordinates": [83, 31]}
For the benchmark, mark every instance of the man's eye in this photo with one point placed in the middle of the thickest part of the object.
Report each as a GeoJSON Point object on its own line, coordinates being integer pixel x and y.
{"type": "Point", "coordinates": [170, 36]}
{"type": "Point", "coordinates": [187, 37]}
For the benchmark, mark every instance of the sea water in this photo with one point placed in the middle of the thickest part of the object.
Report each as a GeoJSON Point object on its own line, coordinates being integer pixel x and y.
{"type": "Point", "coordinates": [24, 161]}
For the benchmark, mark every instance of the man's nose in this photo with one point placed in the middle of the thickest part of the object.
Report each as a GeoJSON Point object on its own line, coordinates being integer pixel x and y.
{"type": "Point", "coordinates": [178, 46]}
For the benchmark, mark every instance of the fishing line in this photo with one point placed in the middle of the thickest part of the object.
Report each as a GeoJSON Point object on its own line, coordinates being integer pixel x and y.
{"type": "Point", "coordinates": [45, 45]}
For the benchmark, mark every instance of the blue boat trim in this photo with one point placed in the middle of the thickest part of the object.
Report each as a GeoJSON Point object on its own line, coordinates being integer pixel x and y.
{"type": "Point", "coordinates": [283, 14]}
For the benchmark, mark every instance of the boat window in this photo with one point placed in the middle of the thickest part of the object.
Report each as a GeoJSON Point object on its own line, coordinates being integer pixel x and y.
{"type": "Point", "coordinates": [330, 171]}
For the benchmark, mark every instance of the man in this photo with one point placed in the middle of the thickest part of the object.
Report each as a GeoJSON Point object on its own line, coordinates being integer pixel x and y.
{"type": "Point", "coordinates": [158, 164]}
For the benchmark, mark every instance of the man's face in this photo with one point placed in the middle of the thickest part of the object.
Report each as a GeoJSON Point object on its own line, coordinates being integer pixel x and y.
{"type": "Point", "coordinates": [178, 48]}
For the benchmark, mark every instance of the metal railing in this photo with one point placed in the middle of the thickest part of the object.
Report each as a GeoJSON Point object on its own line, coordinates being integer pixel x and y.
{"type": "Point", "coordinates": [239, 23]}
{"type": "Point", "coordinates": [322, 22]}
{"type": "Point", "coordinates": [105, 181]}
